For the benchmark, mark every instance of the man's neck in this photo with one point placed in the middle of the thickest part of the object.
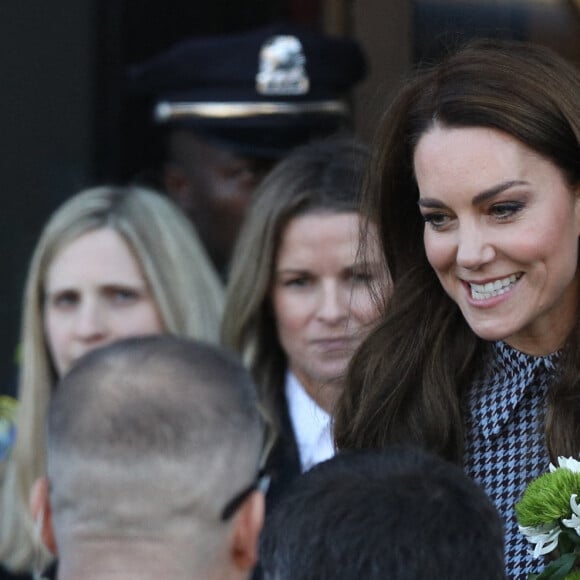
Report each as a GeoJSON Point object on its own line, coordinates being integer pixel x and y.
{"type": "Point", "coordinates": [116, 560]}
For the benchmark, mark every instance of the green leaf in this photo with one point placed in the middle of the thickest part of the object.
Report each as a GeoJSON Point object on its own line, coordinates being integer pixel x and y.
{"type": "Point", "coordinates": [571, 536]}
{"type": "Point", "coordinates": [558, 569]}
{"type": "Point", "coordinates": [566, 542]}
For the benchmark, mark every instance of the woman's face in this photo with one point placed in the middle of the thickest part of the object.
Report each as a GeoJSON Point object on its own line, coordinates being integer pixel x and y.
{"type": "Point", "coordinates": [320, 297]}
{"type": "Point", "coordinates": [95, 293]}
{"type": "Point", "coordinates": [501, 232]}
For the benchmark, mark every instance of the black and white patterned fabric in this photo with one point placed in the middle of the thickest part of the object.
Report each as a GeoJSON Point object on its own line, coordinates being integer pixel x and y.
{"type": "Point", "coordinates": [505, 446]}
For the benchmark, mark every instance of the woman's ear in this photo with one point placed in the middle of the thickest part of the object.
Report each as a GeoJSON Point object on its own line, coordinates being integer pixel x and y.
{"type": "Point", "coordinates": [248, 523]}
{"type": "Point", "coordinates": [42, 514]}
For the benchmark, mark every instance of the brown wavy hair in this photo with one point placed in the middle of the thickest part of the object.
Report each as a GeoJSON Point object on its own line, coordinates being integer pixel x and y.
{"type": "Point", "coordinates": [406, 381]}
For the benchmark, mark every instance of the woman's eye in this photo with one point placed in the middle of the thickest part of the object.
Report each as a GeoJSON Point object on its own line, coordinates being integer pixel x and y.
{"type": "Point", "coordinates": [298, 282]}
{"type": "Point", "coordinates": [123, 295]}
{"type": "Point", "coordinates": [436, 221]}
{"type": "Point", "coordinates": [64, 300]}
{"type": "Point", "coordinates": [362, 276]}
{"type": "Point", "coordinates": [505, 210]}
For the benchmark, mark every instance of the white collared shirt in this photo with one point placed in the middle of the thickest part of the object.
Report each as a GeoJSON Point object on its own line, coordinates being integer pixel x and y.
{"type": "Point", "coordinates": [311, 425]}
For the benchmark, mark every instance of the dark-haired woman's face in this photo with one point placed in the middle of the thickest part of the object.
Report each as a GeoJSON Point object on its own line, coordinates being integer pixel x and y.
{"type": "Point", "coordinates": [501, 232]}
{"type": "Point", "coordinates": [95, 293]}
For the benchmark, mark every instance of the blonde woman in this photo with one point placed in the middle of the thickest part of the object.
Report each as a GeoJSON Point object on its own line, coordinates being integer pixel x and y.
{"type": "Point", "coordinates": [110, 263]}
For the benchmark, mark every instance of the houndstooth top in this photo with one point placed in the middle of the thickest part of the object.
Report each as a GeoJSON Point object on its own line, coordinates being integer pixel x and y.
{"type": "Point", "coordinates": [505, 447]}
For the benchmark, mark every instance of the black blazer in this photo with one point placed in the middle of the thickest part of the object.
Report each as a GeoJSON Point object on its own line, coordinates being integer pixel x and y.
{"type": "Point", "coordinates": [283, 463]}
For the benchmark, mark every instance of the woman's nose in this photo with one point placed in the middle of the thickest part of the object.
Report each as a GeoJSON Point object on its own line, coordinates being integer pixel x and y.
{"type": "Point", "coordinates": [333, 304]}
{"type": "Point", "coordinates": [90, 323]}
{"type": "Point", "coordinates": [474, 248]}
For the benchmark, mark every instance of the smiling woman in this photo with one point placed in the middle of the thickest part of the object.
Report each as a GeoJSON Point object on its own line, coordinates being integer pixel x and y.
{"type": "Point", "coordinates": [110, 263]}
{"type": "Point", "coordinates": [477, 188]}
{"type": "Point", "coordinates": [503, 242]}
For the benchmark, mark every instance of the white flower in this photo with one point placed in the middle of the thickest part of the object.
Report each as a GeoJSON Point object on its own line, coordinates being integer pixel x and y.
{"type": "Point", "coordinates": [574, 521]}
{"type": "Point", "coordinates": [544, 537]}
{"type": "Point", "coordinates": [567, 463]}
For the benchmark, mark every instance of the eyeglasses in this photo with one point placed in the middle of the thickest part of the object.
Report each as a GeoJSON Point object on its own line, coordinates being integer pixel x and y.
{"type": "Point", "coordinates": [261, 483]}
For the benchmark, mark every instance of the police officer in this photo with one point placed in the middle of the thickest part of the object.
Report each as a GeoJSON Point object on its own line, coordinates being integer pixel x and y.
{"type": "Point", "coordinates": [230, 106]}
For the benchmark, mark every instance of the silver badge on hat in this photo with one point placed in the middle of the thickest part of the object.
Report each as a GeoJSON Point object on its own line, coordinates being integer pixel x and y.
{"type": "Point", "coordinates": [281, 68]}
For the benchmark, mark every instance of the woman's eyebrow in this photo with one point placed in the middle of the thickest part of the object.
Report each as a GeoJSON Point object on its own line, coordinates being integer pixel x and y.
{"type": "Point", "coordinates": [495, 190]}
{"type": "Point", "coordinates": [428, 202]}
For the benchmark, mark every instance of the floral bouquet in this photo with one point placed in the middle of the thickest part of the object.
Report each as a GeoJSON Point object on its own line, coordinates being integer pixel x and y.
{"type": "Point", "coordinates": [549, 516]}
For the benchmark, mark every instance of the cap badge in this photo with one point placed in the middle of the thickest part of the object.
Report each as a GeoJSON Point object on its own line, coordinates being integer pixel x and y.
{"type": "Point", "coordinates": [281, 68]}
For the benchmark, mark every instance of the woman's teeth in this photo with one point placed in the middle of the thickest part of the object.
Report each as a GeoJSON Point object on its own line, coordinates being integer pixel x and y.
{"type": "Point", "coordinates": [491, 289]}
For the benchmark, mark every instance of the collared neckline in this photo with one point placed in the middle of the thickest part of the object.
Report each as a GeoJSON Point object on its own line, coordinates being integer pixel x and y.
{"type": "Point", "coordinates": [508, 375]}
{"type": "Point", "coordinates": [311, 424]}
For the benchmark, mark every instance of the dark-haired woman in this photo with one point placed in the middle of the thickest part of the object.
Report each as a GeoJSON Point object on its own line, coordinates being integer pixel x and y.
{"type": "Point", "coordinates": [477, 192]}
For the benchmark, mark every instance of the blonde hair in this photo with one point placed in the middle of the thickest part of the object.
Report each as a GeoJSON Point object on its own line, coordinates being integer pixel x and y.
{"type": "Point", "coordinates": [183, 283]}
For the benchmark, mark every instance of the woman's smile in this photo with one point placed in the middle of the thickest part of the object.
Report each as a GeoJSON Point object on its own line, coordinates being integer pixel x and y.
{"type": "Point", "coordinates": [501, 233]}
{"type": "Point", "coordinates": [484, 290]}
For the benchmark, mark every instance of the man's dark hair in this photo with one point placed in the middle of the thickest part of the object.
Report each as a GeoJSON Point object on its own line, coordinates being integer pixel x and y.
{"type": "Point", "coordinates": [400, 514]}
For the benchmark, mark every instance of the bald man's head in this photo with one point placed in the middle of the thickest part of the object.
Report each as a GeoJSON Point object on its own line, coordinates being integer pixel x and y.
{"type": "Point", "coordinates": [151, 436]}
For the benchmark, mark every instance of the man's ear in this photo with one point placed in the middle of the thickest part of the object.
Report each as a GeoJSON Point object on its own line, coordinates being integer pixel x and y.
{"type": "Point", "coordinates": [248, 523]}
{"type": "Point", "coordinates": [41, 513]}
{"type": "Point", "coordinates": [177, 185]}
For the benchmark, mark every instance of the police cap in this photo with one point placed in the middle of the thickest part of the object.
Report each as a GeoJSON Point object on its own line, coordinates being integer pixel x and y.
{"type": "Point", "coordinates": [260, 92]}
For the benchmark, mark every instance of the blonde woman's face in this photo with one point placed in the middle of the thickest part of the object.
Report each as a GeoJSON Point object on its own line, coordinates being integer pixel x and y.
{"type": "Point", "coordinates": [94, 294]}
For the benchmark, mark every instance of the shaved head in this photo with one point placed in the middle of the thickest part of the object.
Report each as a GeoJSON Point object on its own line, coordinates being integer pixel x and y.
{"type": "Point", "coordinates": [151, 436]}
